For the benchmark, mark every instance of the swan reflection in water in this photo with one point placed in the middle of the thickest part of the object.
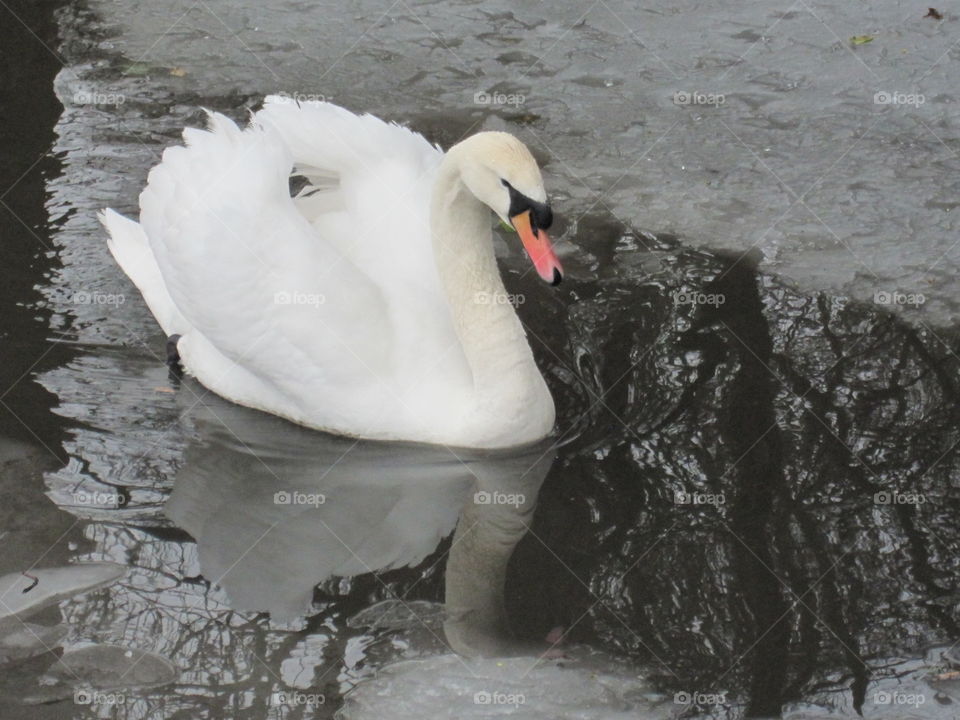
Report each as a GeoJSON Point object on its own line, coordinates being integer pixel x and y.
{"type": "Point", "coordinates": [276, 509]}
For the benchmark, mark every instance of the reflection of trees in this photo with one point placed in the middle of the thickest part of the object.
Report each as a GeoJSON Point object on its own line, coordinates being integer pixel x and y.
{"type": "Point", "coordinates": [230, 663]}
{"type": "Point", "coordinates": [798, 409]}
{"type": "Point", "coordinates": [386, 506]}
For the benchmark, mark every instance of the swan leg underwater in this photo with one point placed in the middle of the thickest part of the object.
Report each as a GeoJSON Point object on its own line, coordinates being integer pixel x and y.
{"type": "Point", "coordinates": [369, 303]}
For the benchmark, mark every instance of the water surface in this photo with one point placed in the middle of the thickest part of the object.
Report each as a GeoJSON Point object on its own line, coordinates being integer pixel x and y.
{"type": "Point", "coordinates": [751, 497]}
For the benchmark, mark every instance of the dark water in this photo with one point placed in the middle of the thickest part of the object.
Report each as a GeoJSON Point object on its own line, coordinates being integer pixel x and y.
{"type": "Point", "coordinates": [750, 499]}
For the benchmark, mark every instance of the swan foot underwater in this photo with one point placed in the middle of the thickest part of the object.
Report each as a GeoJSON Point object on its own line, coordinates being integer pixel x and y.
{"type": "Point", "coordinates": [368, 303]}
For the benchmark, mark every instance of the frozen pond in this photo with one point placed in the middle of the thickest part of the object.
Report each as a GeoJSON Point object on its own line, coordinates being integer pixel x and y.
{"type": "Point", "coordinates": [751, 507]}
{"type": "Point", "coordinates": [836, 161]}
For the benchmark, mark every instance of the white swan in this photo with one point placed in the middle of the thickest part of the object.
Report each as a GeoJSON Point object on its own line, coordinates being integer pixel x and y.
{"type": "Point", "coordinates": [369, 305]}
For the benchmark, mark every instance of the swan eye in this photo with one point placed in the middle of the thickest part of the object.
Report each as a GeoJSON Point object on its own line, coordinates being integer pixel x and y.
{"type": "Point", "coordinates": [541, 214]}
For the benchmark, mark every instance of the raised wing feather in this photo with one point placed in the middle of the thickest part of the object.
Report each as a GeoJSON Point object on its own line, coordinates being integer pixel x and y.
{"type": "Point", "coordinates": [244, 268]}
{"type": "Point", "coordinates": [329, 301]}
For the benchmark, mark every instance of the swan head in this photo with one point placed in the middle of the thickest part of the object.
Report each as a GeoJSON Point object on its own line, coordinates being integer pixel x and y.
{"type": "Point", "coordinates": [500, 171]}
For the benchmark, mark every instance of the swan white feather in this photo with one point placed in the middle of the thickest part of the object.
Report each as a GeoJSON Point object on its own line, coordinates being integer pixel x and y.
{"type": "Point", "coordinates": [352, 307]}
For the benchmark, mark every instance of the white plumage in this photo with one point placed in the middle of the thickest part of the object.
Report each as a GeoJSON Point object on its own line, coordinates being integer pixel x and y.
{"type": "Point", "coordinates": [353, 307]}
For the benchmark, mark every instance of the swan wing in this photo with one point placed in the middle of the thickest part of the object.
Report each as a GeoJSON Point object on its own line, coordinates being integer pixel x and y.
{"type": "Point", "coordinates": [317, 307]}
{"type": "Point", "coordinates": [370, 193]}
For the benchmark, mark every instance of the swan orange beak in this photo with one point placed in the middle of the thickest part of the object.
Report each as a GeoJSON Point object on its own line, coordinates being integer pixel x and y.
{"type": "Point", "coordinates": [537, 244]}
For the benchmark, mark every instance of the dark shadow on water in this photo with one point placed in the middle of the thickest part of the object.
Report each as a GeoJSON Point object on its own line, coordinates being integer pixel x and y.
{"type": "Point", "coordinates": [749, 429]}
{"type": "Point", "coordinates": [28, 112]}
{"type": "Point", "coordinates": [767, 488]}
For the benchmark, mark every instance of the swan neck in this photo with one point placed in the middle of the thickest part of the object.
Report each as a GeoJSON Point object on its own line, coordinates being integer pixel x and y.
{"type": "Point", "coordinates": [486, 324]}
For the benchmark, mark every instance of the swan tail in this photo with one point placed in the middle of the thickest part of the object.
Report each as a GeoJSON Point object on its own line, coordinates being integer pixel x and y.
{"type": "Point", "coordinates": [130, 248]}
